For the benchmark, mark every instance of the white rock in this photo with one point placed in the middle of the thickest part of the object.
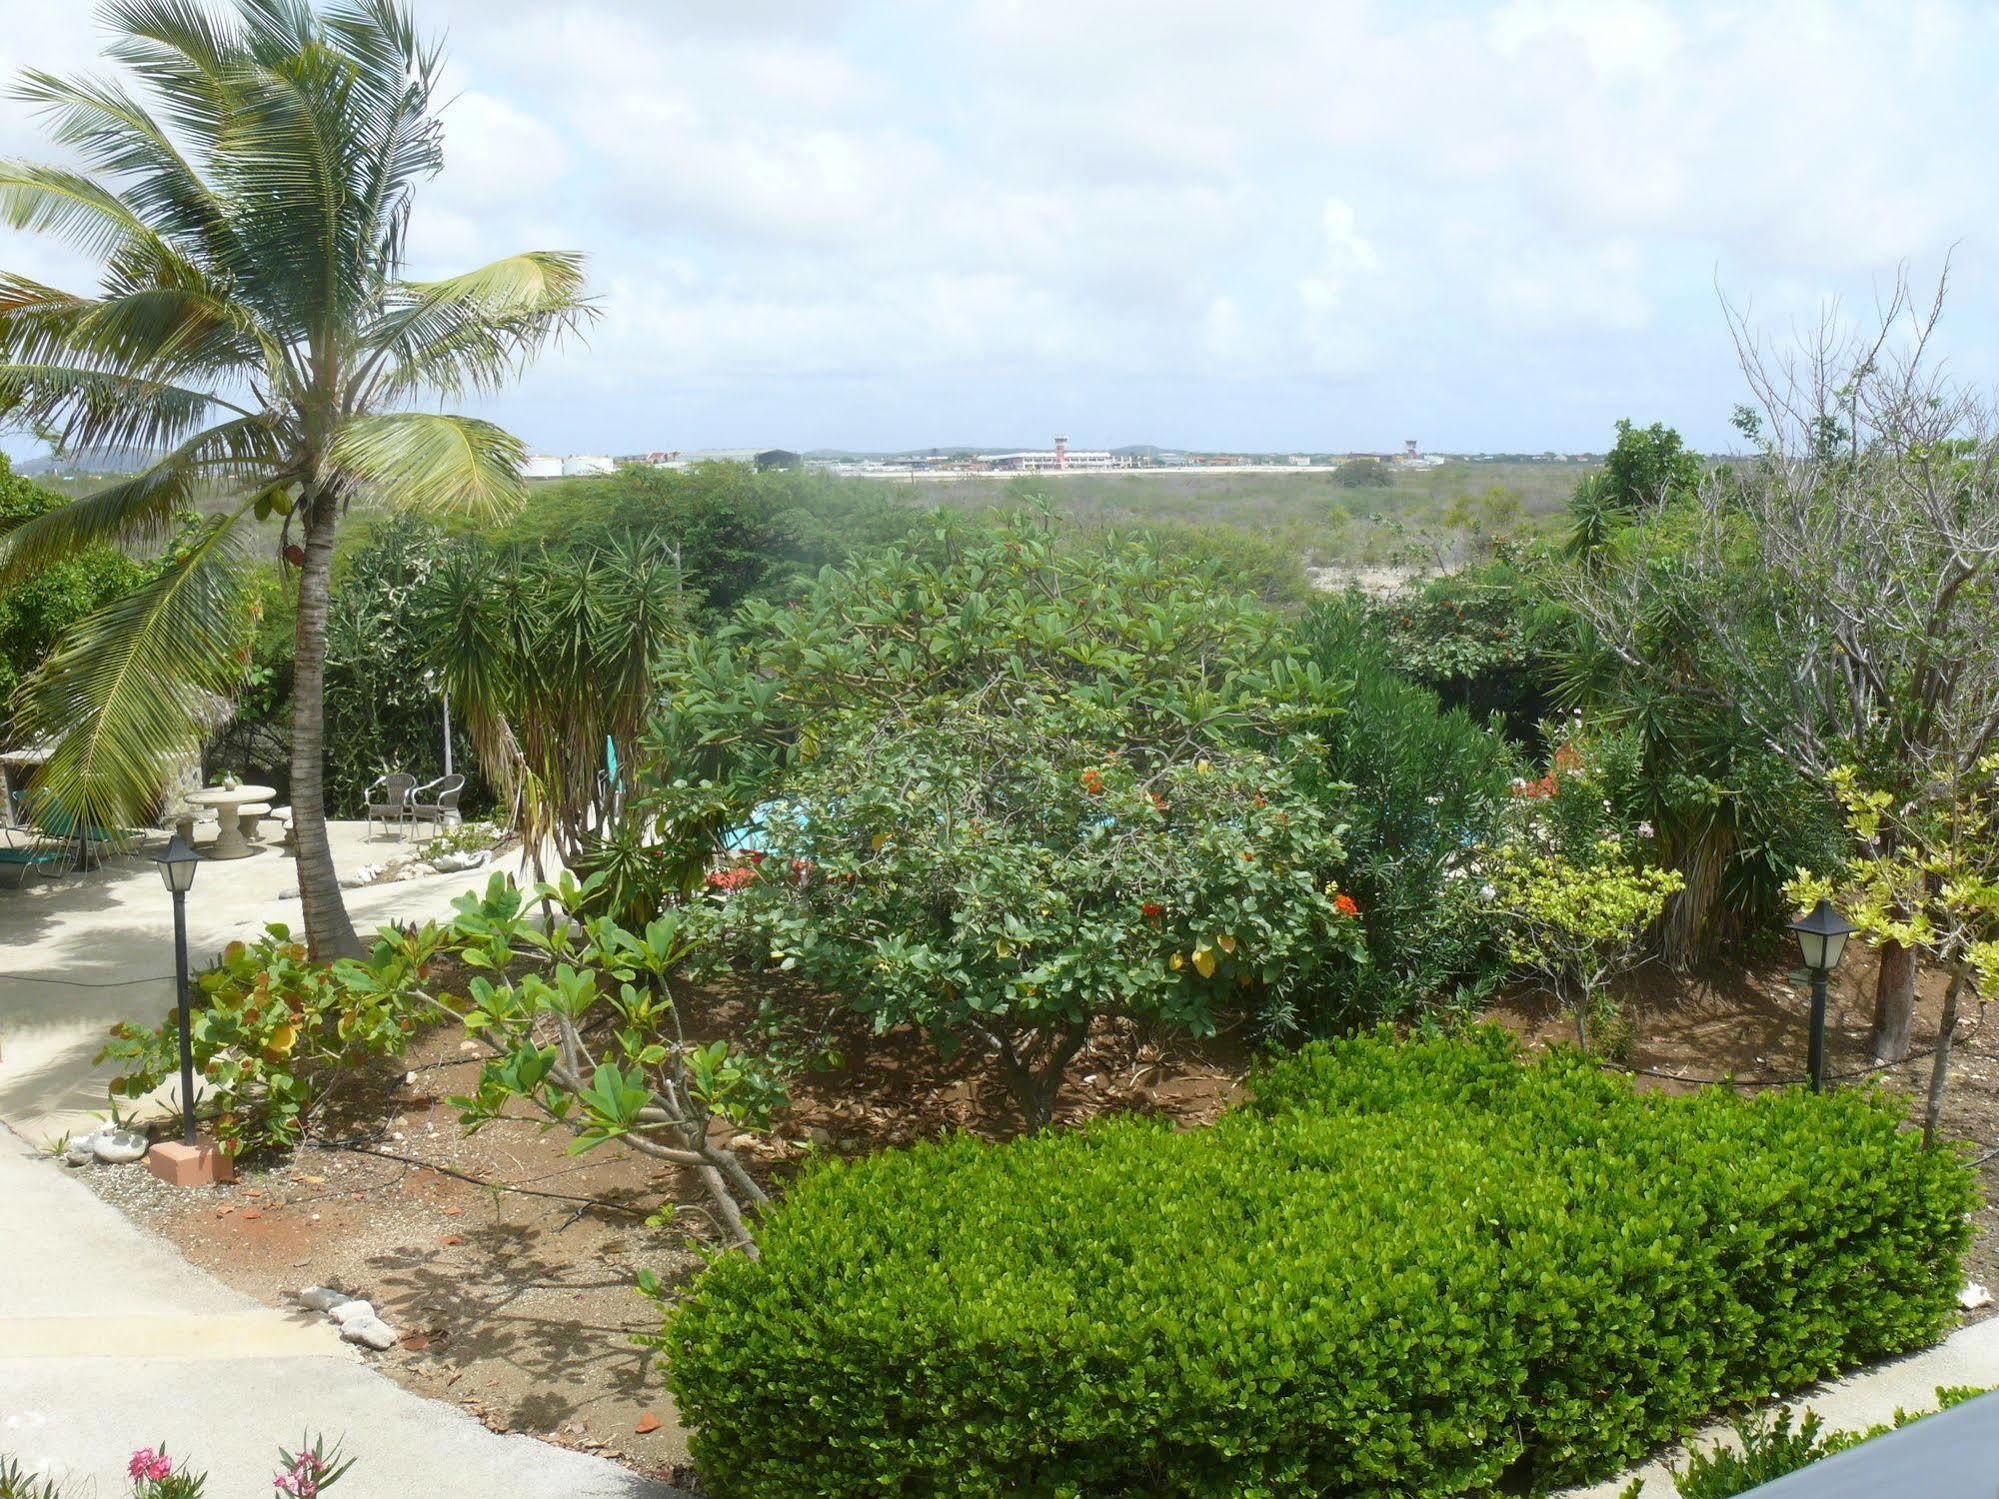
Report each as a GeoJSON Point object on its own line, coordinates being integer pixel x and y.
{"type": "Point", "coordinates": [82, 1150]}
{"type": "Point", "coordinates": [115, 1147]}
{"type": "Point", "coordinates": [470, 858]}
{"type": "Point", "coordinates": [1973, 1296]}
{"type": "Point", "coordinates": [353, 1310]}
{"type": "Point", "coordinates": [322, 1298]}
{"type": "Point", "coordinates": [371, 1332]}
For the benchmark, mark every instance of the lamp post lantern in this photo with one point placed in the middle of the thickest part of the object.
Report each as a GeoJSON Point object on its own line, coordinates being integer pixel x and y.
{"type": "Point", "coordinates": [1821, 939]}
{"type": "Point", "coordinates": [177, 867]}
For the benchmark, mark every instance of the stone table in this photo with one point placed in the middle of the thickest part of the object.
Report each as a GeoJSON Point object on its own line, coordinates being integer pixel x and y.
{"type": "Point", "coordinates": [228, 802]}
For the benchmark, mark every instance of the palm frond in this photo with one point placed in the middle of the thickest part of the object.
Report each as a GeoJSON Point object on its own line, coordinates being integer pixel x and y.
{"type": "Point", "coordinates": [395, 75]}
{"type": "Point", "coordinates": [135, 686]}
{"type": "Point", "coordinates": [85, 408]}
{"type": "Point", "coordinates": [144, 508]}
{"type": "Point", "coordinates": [300, 156]}
{"type": "Point", "coordinates": [74, 208]}
{"type": "Point", "coordinates": [473, 332]}
{"type": "Point", "coordinates": [423, 460]}
{"type": "Point", "coordinates": [114, 133]}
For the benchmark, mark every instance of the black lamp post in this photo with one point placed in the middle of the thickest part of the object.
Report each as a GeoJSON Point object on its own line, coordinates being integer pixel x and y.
{"type": "Point", "coordinates": [1821, 938]}
{"type": "Point", "coordinates": [177, 867]}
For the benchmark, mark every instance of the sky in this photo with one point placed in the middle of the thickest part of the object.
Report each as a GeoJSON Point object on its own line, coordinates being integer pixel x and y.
{"type": "Point", "coordinates": [1267, 224]}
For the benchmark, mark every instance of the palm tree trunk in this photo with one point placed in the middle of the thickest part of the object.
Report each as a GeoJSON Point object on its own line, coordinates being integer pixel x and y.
{"type": "Point", "coordinates": [329, 932]}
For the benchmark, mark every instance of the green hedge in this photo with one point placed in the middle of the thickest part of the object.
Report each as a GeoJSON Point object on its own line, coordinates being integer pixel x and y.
{"type": "Point", "coordinates": [1405, 1269]}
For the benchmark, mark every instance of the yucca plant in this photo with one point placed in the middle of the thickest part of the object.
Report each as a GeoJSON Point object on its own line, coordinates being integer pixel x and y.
{"type": "Point", "coordinates": [255, 330]}
{"type": "Point", "coordinates": [550, 657]}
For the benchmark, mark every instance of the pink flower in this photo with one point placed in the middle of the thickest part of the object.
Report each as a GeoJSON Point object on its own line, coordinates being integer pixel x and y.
{"type": "Point", "coordinates": [148, 1464]}
{"type": "Point", "coordinates": [303, 1480]}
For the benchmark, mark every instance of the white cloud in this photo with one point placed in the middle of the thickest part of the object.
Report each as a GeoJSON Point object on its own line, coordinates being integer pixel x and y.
{"type": "Point", "coordinates": [872, 223]}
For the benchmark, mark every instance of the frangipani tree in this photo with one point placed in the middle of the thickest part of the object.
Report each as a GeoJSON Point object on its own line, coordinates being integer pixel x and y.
{"type": "Point", "coordinates": [254, 328]}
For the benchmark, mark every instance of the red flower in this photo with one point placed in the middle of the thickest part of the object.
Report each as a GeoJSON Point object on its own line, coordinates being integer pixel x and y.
{"type": "Point", "coordinates": [1092, 782]}
{"type": "Point", "coordinates": [1344, 904]}
{"type": "Point", "coordinates": [731, 879]}
{"type": "Point", "coordinates": [1152, 910]}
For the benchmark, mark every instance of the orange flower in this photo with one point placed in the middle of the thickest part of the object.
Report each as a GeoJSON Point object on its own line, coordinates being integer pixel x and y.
{"type": "Point", "coordinates": [1092, 782]}
{"type": "Point", "coordinates": [1344, 904]}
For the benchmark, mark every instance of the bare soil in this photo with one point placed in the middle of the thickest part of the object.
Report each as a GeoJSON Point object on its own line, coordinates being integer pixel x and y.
{"type": "Point", "coordinates": [521, 1308]}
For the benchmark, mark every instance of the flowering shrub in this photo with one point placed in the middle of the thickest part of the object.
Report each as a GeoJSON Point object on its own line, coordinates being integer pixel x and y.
{"type": "Point", "coordinates": [1001, 883]}
{"type": "Point", "coordinates": [1578, 893]}
{"type": "Point", "coordinates": [1024, 781]}
{"type": "Point", "coordinates": [273, 1033]}
{"type": "Point", "coordinates": [304, 1474]}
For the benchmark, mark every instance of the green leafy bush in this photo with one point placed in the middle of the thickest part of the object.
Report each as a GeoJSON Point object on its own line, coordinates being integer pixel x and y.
{"type": "Point", "coordinates": [1021, 767]}
{"type": "Point", "coordinates": [1001, 883]}
{"type": "Point", "coordinates": [273, 1033]}
{"type": "Point", "coordinates": [736, 531]}
{"type": "Point", "coordinates": [1406, 1269]}
{"type": "Point", "coordinates": [1429, 788]}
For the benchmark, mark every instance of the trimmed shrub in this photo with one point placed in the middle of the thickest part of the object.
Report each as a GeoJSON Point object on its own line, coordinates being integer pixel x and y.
{"type": "Point", "coordinates": [1420, 1268]}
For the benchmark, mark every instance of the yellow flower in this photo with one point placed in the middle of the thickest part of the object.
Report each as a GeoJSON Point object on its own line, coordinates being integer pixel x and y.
{"type": "Point", "coordinates": [1204, 962]}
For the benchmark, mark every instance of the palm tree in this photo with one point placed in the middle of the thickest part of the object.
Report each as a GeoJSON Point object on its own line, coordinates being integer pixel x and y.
{"type": "Point", "coordinates": [254, 328]}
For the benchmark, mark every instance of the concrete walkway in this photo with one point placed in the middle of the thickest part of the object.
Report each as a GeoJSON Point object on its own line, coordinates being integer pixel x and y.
{"type": "Point", "coordinates": [79, 954]}
{"type": "Point", "coordinates": [109, 1341]}
{"type": "Point", "coordinates": [1969, 1356]}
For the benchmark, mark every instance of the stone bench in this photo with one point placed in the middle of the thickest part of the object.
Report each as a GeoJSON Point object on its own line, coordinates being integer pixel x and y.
{"type": "Point", "coordinates": [250, 820]}
{"type": "Point", "coordinates": [184, 825]}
